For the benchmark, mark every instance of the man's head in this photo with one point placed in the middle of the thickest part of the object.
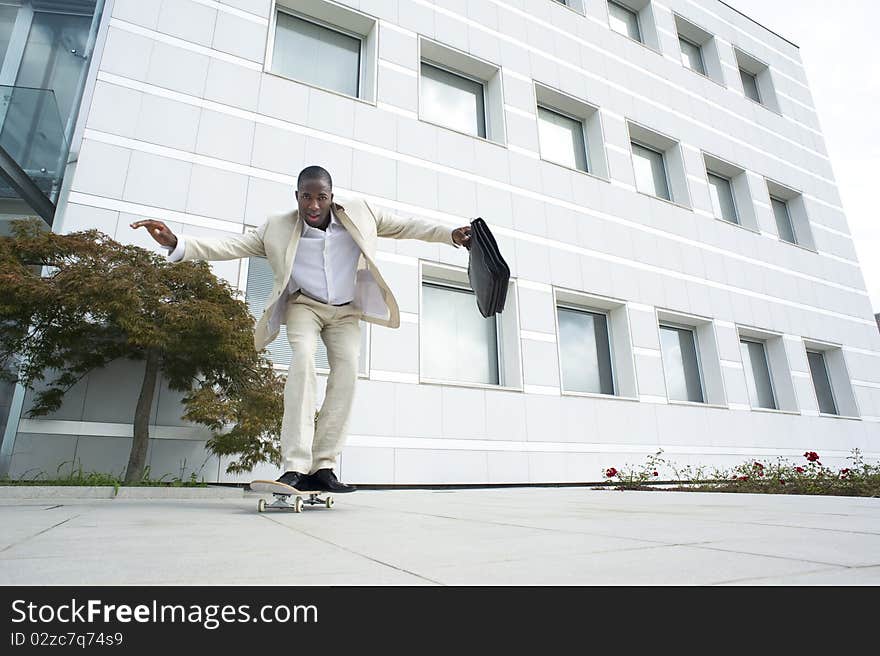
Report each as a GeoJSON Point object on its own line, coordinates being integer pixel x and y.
{"type": "Point", "coordinates": [314, 195]}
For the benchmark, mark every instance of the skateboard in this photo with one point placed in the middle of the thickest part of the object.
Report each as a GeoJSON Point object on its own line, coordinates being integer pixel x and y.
{"type": "Point", "coordinates": [282, 495]}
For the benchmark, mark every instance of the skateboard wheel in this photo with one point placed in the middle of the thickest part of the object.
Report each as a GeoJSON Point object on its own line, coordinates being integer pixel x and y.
{"type": "Point", "coordinates": [328, 502]}
{"type": "Point", "coordinates": [298, 505]}
{"type": "Point", "coordinates": [261, 505]}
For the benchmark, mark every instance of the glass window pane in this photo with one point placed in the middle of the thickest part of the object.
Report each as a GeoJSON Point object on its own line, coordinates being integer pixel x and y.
{"type": "Point", "coordinates": [7, 21]}
{"type": "Point", "coordinates": [562, 139]}
{"type": "Point", "coordinates": [650, 171]}
{"type": "Point", "coordinates": [680, 364]}
{"type": "Point", "coordinates": [821, 383]}
{"type": "Point", "coordinates": [458, 343]}
{"type": "Point", "coordinates": [692, 56]}
{"type": "Point", "coordinates": [316, 55]}
{"type": "Point", "coordinates": [722, 198]}
{"type": "Point", "coordinates": [452, 100]}
{"type": "Point", "coordinates": [754, 357]}
{"type": "Point", "coordinates": [750, 85]}
{"type": "Point", "coordinates": [585, 352]}
{"type": "Point", "coordinates": [48, 62]}
{"type": "Point", "coordinates": [783, 220]}
{"type": "Point", "coordinates": [624, 20]}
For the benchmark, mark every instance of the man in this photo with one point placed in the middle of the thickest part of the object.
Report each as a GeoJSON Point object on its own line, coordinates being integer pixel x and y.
{"type": "Point", "coordinates": [326, 279]}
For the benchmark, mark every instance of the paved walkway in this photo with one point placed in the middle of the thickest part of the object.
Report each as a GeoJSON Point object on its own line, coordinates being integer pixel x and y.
{"type": "Point", "coordinates": [513, 536]}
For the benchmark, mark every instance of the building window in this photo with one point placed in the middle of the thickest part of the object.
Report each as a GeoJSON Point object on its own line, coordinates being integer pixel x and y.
{"type": "Point", "coordinates": [570, 131]}
{"type": "Point", "coordinates": [766, 369]}
{"type": "Point", "coordinates": [757, 370]}
{"type": "Point", "coordinates": [729, 192]}
{"type": "Point", "coordinates": [624, 20]}
{"type": "Point", "coordinates": [692, 55]}
{"type": "Point", "coordinates": [681, 365]}
{"type": "Point", "coordinates": [634, 19]}
{"type": "Point", "coordinates": [452, 100]}
{"type": "Point", "coordinates": [575, 5]}
{"type": "Point", "coordinates": [699, 51]}
{"type": "Point", "coordinates": [756, 80]}
{"type": "Point", "coordinates": [783, 220]}
{"type": "Point", "coordinates": [821, 382]}
{"type": "Point", "coordinates": [45, 50]}
{"type": "Point", "coordinates": [585, 351]}
{"type": "Point", "coordinates": [750, 85]}
{"type": "Point", "coordinates": [721, 193]}
{"type": "Point", "coordinates": [317, 55]}
{"type": "Point", "coordinates": [325, 45]}
{"type": "Point", "coordinates": [259, 287]}
{"type": "Point", "coordinates": [458, 343]}
{"type": "Point", "coordinates": [830, 378]}
{"type": "Point", "coordinates": [7, 23]}
{"type": "Point", "coordinates": [562, 139]}
{"type": "Point", "coordinates": [460, 92]}
{"type": "Point", "coordinates": [650, 170]}
{"type": "Point", "coordinates": [658, 165]}
{"type": "Point", "coordinates": [790, 215]}
{"type": "Point", "coordinates": [594, 345]}
{"type": "Point", "coordinates": [691, 363]}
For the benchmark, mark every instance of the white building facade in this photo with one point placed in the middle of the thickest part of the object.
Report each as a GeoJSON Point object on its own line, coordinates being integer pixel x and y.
{"type": "Point", "coordinates": [682, 273]}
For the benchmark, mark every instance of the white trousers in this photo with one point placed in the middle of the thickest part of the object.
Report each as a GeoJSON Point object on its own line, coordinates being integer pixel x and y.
{"type": "Point", "coordinates": [307, 443]}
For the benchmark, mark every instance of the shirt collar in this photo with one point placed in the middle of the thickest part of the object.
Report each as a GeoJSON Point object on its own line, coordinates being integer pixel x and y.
{"type": "Point", "coordinates": [334, 221]}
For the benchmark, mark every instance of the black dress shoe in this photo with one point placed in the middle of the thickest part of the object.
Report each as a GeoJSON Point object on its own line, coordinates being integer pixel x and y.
{"type": "Point", "coordinates": [293, 479]}
{"type": "Point", "coordinates": [325, 481]}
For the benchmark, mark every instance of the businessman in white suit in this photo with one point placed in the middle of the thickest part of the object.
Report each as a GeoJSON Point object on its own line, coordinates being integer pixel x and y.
{"type": "Point", "coordinates": [326, 279]}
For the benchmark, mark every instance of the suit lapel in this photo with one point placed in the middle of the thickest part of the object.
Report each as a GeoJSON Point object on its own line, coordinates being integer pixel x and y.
{"type": "Point", "coordinates": [294, 239]}
{"type": "Point", "coordinates": [350, 226]}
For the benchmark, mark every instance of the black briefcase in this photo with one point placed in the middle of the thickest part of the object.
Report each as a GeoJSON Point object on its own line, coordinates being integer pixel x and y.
{"type": "Point", "coordinates": [488, 273]}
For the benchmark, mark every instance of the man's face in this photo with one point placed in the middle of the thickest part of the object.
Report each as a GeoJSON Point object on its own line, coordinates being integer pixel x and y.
{"type": "Point", "coordinates": [314, 198]}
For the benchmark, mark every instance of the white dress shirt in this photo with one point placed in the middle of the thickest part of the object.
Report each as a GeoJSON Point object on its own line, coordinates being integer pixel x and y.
{"type": "Point", "coordinates": [325, 264]}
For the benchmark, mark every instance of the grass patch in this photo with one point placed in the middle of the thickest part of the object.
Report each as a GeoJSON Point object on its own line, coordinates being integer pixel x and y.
{"type": "Point", "coordinates": [101, 479]}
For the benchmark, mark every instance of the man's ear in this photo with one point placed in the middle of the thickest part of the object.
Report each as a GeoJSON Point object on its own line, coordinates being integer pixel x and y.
{"type": "Point", "coordinates": [296, 193]}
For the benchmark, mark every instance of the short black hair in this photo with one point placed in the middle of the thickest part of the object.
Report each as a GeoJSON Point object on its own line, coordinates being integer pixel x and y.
{"type": "Point", "coordinates": [314, 173]}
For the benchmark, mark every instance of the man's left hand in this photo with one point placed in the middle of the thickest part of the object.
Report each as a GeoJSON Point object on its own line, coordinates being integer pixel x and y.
{"type": "Point", "coordinates": [462, 236]}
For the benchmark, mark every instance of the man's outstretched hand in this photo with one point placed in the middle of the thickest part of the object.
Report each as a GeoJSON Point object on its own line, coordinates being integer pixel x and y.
{"type": "Point", "coordinates": [462, 236]}
{"type": "Point", "coordinates": [158, 231]}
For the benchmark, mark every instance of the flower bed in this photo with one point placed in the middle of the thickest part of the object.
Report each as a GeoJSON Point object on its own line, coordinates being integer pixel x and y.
{"type": "Point", "coordinates": [809, 476]}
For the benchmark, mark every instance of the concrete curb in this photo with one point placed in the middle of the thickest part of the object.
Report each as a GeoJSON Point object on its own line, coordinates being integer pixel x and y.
{"type": "Point", "coordinates": [107, 492]}
{"type": "Point", "coordinates": [180, 493]}
{"type": "Point", "coordinates": [56, 492]}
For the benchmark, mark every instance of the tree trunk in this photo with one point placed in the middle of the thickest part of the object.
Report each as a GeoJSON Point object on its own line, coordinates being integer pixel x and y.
{"type": "Point", "coordinates": [137, 459]}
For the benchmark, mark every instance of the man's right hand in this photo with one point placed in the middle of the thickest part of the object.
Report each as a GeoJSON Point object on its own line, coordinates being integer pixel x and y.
{"type": "Point", "coordinates": [158, 231]}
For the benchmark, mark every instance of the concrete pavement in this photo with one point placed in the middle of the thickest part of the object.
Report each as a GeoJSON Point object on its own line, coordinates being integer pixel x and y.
{"type": "Point", "coordinates": [500, 536]}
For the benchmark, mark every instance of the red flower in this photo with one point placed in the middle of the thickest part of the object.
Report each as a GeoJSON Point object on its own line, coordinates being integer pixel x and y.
{"type": "Point", "coordinates": [758, 465]}
{"type": "Point", "coordinates": [844, 472]}
{"type": "Point", "coordinates": [760, 473]}
{"type": "Point", "coordinates": [782, 481]}
{"type": "Point", "coordinates": [743, 478]}
{"type": "Point", "coordinates": [811, 456]}
{"type": "Point", "coordinates": [799, 470]}
{"type": "Point", "coordinates": [611, 472]}
{"type": "Point", "coordinates": [656, 474]}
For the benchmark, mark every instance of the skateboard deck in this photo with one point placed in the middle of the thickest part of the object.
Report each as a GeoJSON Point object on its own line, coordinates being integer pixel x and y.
{"type": "Point", "coordinates": [283, 492]}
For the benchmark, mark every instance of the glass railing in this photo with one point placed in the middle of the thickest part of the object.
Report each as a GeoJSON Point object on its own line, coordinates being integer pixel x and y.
{"type": "Point", "coordinates": [32, 133]}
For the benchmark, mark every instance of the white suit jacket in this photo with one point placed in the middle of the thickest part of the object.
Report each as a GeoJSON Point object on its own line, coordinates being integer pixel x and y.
{"type": "Point", "coordinates": [277, 239]}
